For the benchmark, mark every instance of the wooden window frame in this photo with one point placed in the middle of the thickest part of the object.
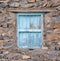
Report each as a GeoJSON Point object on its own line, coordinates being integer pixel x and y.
{"type": "Point", "coordinates": [34, 13]}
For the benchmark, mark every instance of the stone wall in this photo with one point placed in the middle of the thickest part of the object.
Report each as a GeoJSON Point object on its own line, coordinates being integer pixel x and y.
{"type": "Point", "coordinates": [51, 30]}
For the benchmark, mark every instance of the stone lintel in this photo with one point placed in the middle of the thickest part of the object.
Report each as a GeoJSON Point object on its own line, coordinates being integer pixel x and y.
{"type": "Point", "coordinates": [31, 10]}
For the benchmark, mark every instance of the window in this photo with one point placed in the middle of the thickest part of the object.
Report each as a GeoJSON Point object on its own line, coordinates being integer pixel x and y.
{"type": "Point", "coordinates": [29, 30]}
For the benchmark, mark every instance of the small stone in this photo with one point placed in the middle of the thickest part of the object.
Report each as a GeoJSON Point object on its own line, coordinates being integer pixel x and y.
{"type": "Point", "coordinates": [6, 52]}
{"type": "Point", "coordinates": [57, 31]}
{"type": "Point", "coordinates": [31, 1]}
{"type": "Point", "coordinates": [4, 25]}
{"type": "Point", "coordinates": [27, 6]}
{"type": "Point", "coordinates": [2, 59]}
{"type": "Point", "coordinates": [1, 37]}
{"type": "Point", "coordinates": [53, 38]}
{"type": "Point", "coordinates": [1, 41]}
{"type": "Point", "coordinates": [57, 25]}
{"type": "Point", "coordinates": [25, 57]}
{"type": "Point", "coordinates": [45, 4]}
{"type": "Point", "coordinates": [58, 43]}
{"type": "Point", "coordinates": [7, 44]}
{"type": "Point", "coordinates": [49, 25]}
{"type": "Point", "coordinates": [49, 4]}
{"type": "Point", "coordinates": [3, 5]}
{"type": "Point", "coordinates": [58, 8]}
{"type": "Point", "coordinates": [44, 47]}
{"type": "Point", "coordinates": [54, 59]}
{"type": "Point", "coordinates": [16, 0]}
{"type": "Point", "coordinates": [1, 52]}
{"type": "Point", "coordinates": [22, 2]}
{"type": "Point", "coordinates": [14, 4]}
{"type": "Point", "coordinates": [57, 48]}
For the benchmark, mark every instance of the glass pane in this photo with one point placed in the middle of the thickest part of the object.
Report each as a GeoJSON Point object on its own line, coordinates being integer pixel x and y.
{"type": "Point", "coordinates": [30, 22]}
{"type": "Point", "coordinates": [35, 22]}
{"type": "Point", "coordinates": [35, 40]}
{"type": "Point", "coordinates": [30, 40]}
{"type": "Point", "coordinates": [23, 40]}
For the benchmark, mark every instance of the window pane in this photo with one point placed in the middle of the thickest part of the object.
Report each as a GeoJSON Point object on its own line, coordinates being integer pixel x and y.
{"type": "Point", "coordinates": [30, 40]}
{"type": "Point", "coordinates": [30, 22]}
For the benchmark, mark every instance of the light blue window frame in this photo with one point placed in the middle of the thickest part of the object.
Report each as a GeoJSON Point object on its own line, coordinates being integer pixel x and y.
{"type": "Point", "coordinates": [29, 32]}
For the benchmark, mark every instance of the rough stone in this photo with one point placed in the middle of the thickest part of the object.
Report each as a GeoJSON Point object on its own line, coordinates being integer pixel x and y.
{"type": "Point", "coordinates": [58, 8]}
{"type": "Point", "coordinates": [31, 1]}
{"type": "Point", "coordinates": [27, 6]}
{"type": "Point", "coordinates": [57, 25]}
{"type": "Point", "coordinates": [3, 5]}
{"type": "Point", "coordinates": [16, 0]}
{"type": "Point", "coordinates": [49, 4]}
{"type": "Point", "coordinates": [8, 43]}
{"type": "Point", "coordinates": [53, 38]}
{"type": "Point", "coordinates": [14, 4]}
{"type": "Point", "coordinates": [1, 42]}
{"type": "Point", "coordinates": [57, 31]}
{"type": "Point", "coordinates": [24, 57]}
{"type": "Point", "coordinates": [12, 56]}
{"type": "Point", "coordinates": [1, 37]}
{"type": "Point", "coordinates": [22, 2]}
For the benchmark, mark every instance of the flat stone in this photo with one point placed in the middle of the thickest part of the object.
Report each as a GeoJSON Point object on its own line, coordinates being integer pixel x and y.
{"type": "Point", "coordinates": [49, 4]}
{"type": "Point", "coordinates": [1, 37]}
{"type": "Point", "coordinates": [24, 57]}
{"type": "Point", "coordinates": [27, 6]}
{"type": "Point", "coordinates": [4, 0]}
{"type": "Point", "coordinates": [58, 43]}
{"type": "Point", "coordinates": [12, 56]}
{"type": "Point", "coordinates": [7, 44]}
{"type": "Point", "coordinates": [1, 52]}
{"type": "Point", "coordinates": [1, 41]}
{"type": "Point", "coordinates": [57, 48]}
{"type": "Point", "coordinates": [22, 2]}
{"type": "Point", "coordinates": [54, 59]}
{"type": "Point", "coordinates": [53, 38]}
{"type": "Point", "coordinates": [57, 25]}
{"type": "Point", "coordinates": [4, 25]}
{"type": "Point", "coordinates": [58, 8]}
{"type": "Point", "coordinates": [3, 5]}
{"type": "Point", "coordinates": [14, 4]}
{"type": "Point", "coordinates": [31, 1]}
{"type": "Point", "coordinates": [16, 0]}
{"type": "Point", "coordinates": [44, 47]}
{"type": "Point", "coordinates": [57, 31]}
{"type": "Point", "coordinates": [2, 60]}
{"type": "Point", "coordinates": [6, 52]}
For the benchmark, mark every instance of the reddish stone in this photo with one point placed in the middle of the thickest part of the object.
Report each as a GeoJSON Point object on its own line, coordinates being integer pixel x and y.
{"type": "Point", "coordinates": [49, 4]}
{"type": "Point", "coordinates": [57, 31]}
{"type": "Point", "coordinates": [57, 25]}
{"type": "Point", "coordinates": [1, 41]}
{"type": "Point", "coordinates": [52, 38]}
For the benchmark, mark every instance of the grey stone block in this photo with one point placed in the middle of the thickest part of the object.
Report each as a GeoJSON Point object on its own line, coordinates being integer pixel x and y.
{"type": "Point", "coordinates": [1, 37]}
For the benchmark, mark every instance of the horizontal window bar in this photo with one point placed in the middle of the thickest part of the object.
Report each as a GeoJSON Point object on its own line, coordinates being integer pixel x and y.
{"type": "Point", "coordinates": [29, 30]}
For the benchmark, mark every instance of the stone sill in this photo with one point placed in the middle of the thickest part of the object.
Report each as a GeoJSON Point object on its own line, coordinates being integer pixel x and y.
{"type": "Point", "coordinates": [32, 10]}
